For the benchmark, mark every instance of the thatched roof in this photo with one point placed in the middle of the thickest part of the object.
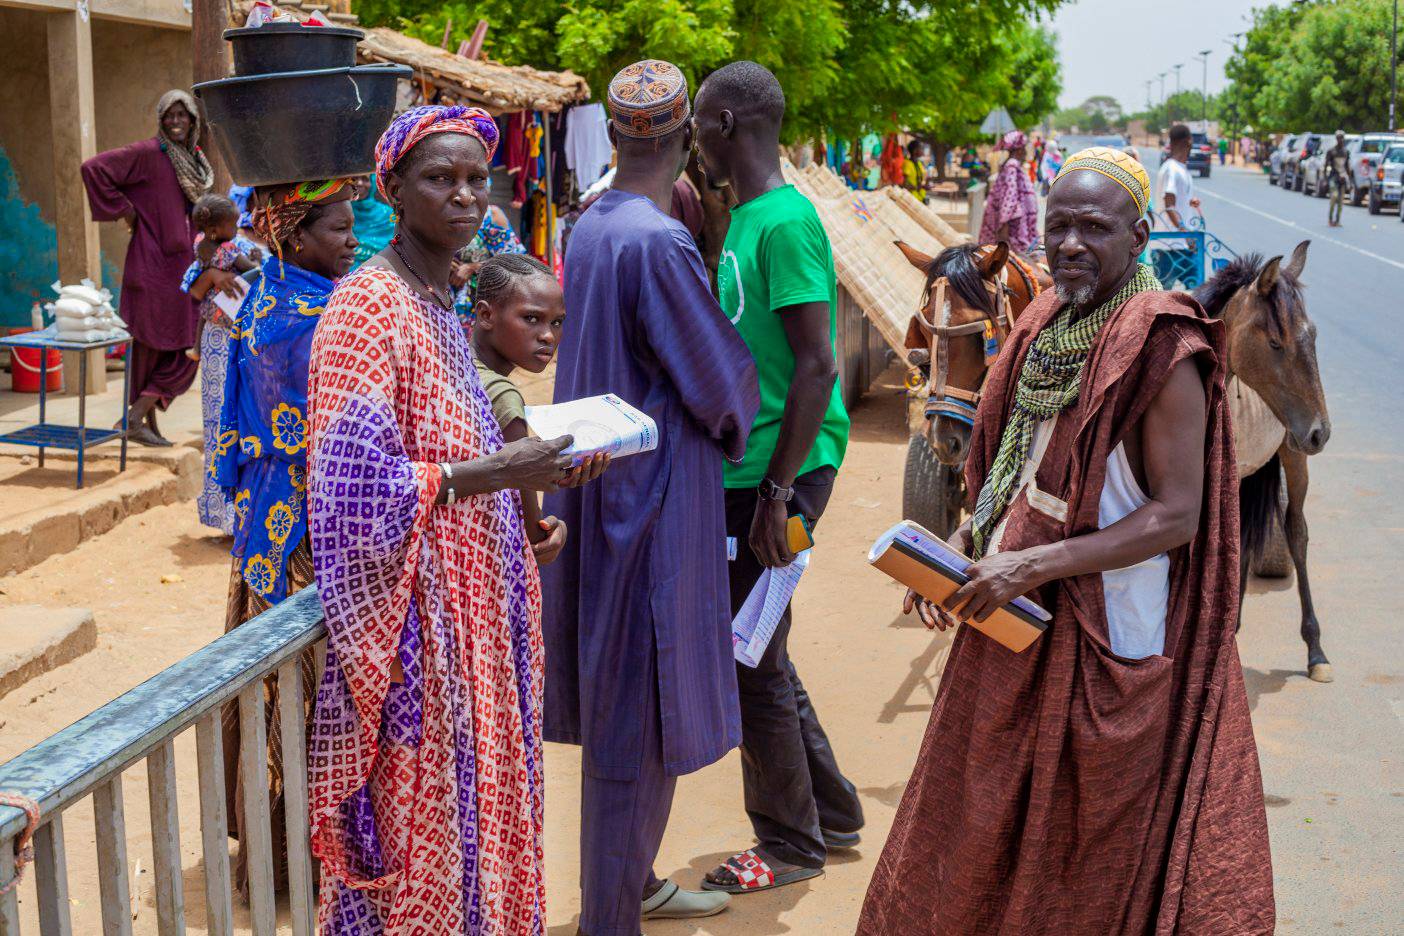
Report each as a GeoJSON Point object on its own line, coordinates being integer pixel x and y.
{"type": "Point", "coordinates": [497, 88]}
{"type": "Point", "coordinates": [862, 227]}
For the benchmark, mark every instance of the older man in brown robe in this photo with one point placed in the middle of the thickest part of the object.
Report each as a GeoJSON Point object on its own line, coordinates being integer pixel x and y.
{"type": "Point", "coordinates": [1105, 780]}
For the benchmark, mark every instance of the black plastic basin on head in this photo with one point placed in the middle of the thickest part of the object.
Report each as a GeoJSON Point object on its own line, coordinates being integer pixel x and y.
{"type": "Point", "coordinates": [285, 47]}
{"type": "Point", "coordinates": [302, 125]}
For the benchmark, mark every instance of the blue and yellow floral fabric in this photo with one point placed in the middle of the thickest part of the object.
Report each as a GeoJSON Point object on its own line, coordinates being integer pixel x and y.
{"type": "Point", "coordinates": [261, 451]}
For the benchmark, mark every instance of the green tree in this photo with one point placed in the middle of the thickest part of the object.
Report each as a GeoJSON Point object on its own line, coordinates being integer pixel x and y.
{"type": "Point", "coordinates": [1321, 65]}
{"type": "Point", "coordinates": [847, 66]}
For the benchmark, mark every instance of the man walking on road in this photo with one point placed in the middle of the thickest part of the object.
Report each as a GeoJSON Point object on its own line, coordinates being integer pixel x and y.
{"type": "Point", "coordinates": [1106, 778]}
{"type": "Point", "coordinates": [776, 284]}
{"type": "Point", "coordinates": [1175, 196]}
{"type": "Point", "coordinates": [1338, 175]}
{"type": "Point", "coordinates": [635, 610]}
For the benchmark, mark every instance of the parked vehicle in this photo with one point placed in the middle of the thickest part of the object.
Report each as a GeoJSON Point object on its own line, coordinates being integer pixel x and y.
{"type": "Point", "coordinates": [1389, 179]}
{"type": "Point", "coordinates": [1288, 145]}
{"type": "Point", "coordinates": [1365, 159]}
{"type": "Point", "coordinates": [1201, 155]}
{"type": "Point", "coordinates": [1291, 171]}
{"type": "Point", "coordinates": [1314, 176]}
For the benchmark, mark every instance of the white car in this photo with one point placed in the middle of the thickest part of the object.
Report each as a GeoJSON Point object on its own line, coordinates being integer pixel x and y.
{"type": "Point", "coordinates": [1314, 177]}
{"type": "Point", "coordinates": [1389, 180]}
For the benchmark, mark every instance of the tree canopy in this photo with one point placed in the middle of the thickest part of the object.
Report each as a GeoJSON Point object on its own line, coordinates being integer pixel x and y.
{"type": "Point", "coordinates": [1315, 66]}
{"type": "Point", "coordinates": [847, 66]}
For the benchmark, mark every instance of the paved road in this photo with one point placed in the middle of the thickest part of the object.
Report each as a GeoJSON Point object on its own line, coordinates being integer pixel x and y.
{"type": "Point", "coordinates": [1333, 755]}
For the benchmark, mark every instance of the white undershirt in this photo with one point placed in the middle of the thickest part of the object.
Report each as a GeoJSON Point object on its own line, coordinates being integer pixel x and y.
{"type": "Point", "coordinates": [1137, 597]}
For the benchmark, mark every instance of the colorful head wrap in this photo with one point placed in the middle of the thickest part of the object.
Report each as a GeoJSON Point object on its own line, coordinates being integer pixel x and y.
{"type": "Point", "coordinates": [648, 99]}
{"type": "Point", "coordinates": [1122, 168]}
{"type": "Point", "coordinates": [1013, 140]}
{"type": "Point", "coordinates": [275, 220]}
{"type": "Point", "coordinates": [417, 123]}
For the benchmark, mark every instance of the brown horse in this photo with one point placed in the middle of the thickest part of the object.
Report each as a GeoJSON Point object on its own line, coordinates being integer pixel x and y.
{"type": "Point", "coordinates": [1279, 410]}
{"type": "Point", "coordinates": [973, 297]}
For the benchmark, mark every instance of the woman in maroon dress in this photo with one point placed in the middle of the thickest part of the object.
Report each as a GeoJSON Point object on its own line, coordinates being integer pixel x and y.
{"type": "Point", "coordinates": [151, 185]}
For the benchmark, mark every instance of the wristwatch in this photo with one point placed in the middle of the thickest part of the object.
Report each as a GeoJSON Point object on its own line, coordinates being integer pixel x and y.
{"type": "Point", "coordinates": [769, 490]}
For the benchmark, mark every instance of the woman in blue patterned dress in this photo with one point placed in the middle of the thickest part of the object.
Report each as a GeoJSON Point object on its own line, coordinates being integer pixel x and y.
{"type": "Point", "coordinates": [220, 254]}
{"type": "Point", "coordinates": [261, 450]}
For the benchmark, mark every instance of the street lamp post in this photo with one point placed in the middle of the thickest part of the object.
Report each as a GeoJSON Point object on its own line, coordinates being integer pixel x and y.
{"type": "Point", "coordinates": [1393, 65]}
{"type": "Point", "coordinates": [1177, 90]}
{"type": "Point", "coordinates": [1163, 105]}
{"type": "Point", "coordinates": [1204, 92]}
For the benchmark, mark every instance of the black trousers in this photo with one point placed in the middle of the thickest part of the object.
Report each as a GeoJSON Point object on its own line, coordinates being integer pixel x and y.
{"type": "Point", "coordinates": [793, 785]}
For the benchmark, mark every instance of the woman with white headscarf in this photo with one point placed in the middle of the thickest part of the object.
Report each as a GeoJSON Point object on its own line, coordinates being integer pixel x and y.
{"type": "Point", "coordinates": [151, 185]}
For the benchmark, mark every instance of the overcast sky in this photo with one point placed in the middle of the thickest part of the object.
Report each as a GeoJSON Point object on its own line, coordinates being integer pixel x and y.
{"type": "Point", "coordinates": [1114, 46]}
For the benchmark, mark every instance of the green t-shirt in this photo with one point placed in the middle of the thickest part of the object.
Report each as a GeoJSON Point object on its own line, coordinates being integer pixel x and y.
{"type": "Point", "coordinates": [776, 255]}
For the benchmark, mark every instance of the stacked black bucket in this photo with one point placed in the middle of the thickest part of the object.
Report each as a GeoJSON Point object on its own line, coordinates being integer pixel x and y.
{"type": "Point", "coordinates": [298, 107]}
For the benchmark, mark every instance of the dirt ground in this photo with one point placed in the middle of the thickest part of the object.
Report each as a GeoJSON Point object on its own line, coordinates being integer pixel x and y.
{"type": "Point", "coordinates": [847, 634]}
{"type": "Point", "coordinates": [871, 672]}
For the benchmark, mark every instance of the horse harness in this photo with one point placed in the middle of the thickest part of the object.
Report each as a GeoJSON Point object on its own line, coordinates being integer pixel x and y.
{"type": "Point", "coordinates": [957, 402]}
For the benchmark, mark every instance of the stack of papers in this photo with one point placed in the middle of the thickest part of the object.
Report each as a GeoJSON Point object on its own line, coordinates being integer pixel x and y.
{"type": "Point", "coordinates": [599, 424]}
{"type": "Point", "coordinates": [760, 614]}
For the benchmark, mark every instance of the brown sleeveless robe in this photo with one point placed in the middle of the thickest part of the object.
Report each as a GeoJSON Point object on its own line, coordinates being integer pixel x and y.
{"type": "Point", "coordinates": [1066, 790]}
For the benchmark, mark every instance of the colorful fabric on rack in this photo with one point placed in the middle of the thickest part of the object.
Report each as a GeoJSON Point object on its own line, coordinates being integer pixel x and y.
{"type": "Point", "coordinates": [426, 796]}
{"type": "Point", "coordinates": [648, 99]}
{"type": "Point", "coordinates": [419, 122]}
{"type": "Point", "coordinates": [260, 455]}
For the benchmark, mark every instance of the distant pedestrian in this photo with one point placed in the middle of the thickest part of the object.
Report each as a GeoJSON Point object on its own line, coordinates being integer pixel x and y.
{"type": "Point", "coordinates": [151, 185]}
{"type": "Point", "coordinates": [1011, 208]}
{"type": "Point", "coordinates": [1223, 150]}
{"type": "Point", "coordinates": [1175, 198]}
{"type": "Point", "coordinates": [1338, 176]}
{"type": "Point", "coordinates": [777, 285]}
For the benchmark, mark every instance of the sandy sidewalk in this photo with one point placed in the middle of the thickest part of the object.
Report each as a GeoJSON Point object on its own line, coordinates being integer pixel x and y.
{"type": "Point", "coordinates": [869, 672]}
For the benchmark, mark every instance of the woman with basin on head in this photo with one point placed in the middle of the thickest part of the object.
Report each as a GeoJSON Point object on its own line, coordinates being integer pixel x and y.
{"type": "Point", "coordinates": [151, 185]}
{"type": "Point", "coordinates": [260, 453]}
{"type": "Point", "coordinates": [425, 760]}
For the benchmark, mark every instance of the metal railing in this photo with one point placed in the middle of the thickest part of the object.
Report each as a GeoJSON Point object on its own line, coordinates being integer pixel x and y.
{"type": "Point", "coordinates": [91, 755]}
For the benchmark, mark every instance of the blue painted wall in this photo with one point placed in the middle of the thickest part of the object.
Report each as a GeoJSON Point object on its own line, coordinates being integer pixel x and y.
{"type": "Point", "coordinates": [28, 252]}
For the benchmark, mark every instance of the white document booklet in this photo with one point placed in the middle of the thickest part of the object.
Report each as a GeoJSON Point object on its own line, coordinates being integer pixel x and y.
{"type": "Point", "coordinates": [599, 424]}
{"type": "Point", "coordinates": [227, 303]}
{"type": "Point", "coordinates": [755, 623]}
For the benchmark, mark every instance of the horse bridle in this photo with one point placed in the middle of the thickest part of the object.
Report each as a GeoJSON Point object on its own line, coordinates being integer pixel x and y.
{"type": "Point", "coordinates": [956, 402]}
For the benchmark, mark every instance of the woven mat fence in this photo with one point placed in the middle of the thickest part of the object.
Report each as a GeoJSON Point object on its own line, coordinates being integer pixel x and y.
{"type": "Point", "coordinates": [927, 217]}
{"type": "Point", "coordinates": [886, 287]}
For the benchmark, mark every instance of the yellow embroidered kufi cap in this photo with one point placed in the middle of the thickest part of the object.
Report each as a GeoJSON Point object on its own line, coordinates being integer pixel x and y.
{"type": "Point", "coordinates": [1122, 168]}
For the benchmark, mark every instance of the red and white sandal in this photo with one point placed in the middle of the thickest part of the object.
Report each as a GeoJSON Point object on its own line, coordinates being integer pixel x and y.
{"type": "Point", "coordinates": [748, 872]}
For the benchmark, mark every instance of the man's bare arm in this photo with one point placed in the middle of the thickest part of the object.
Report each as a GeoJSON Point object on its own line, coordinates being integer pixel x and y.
{"type": "Point", "coordinates": [1172, 444]}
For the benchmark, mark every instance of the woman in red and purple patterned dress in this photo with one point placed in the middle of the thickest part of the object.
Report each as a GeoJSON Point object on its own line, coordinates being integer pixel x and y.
{"type": "Point", "coordinates": [1011, 209]}
{"type": "Point", "coordinates": [425, 757]}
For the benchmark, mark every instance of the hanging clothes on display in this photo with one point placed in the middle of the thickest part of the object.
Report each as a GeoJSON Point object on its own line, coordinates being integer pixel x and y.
{"type": "Point", "coordinates": [587, 149]}
{"type": "Point", "coordinates": [514, 143]}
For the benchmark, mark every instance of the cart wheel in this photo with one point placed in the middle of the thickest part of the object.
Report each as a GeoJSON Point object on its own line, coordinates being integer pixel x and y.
{"type": "Point", "coordinates": [932, 493]}
{"type": "Point", "coordinates": [1276, 560]}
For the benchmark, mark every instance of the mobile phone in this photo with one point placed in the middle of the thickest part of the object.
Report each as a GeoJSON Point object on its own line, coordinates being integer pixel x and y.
{"type": "Point", "coordinates": [799, 535]}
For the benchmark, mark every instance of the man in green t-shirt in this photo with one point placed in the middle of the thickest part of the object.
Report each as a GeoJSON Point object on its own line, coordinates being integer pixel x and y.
{"type": "Point", "coordinates": [776, 283]}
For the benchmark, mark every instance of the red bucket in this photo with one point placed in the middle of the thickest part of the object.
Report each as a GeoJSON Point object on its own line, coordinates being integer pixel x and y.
{"type": "Point", "coordinates": [25, 366]}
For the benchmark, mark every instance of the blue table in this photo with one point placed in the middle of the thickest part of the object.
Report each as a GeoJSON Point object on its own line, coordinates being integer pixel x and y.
{"type": "Point", "coordinates": [78, 438]}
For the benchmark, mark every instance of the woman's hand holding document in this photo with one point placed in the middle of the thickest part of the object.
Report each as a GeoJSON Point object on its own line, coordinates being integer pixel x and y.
{"type": "Point", "coordinates": [599, 424]}
{"type": "Point", "coordinates": [936, 570]}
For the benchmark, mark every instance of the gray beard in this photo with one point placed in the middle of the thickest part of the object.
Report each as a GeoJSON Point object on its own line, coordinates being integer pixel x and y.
{"type": "Point", "coordinates": [1079, 299]}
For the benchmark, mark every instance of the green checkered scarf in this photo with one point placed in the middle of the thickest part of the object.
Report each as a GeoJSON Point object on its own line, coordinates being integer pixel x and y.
{"type": "Point", "coordinates": [1048, 384]}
